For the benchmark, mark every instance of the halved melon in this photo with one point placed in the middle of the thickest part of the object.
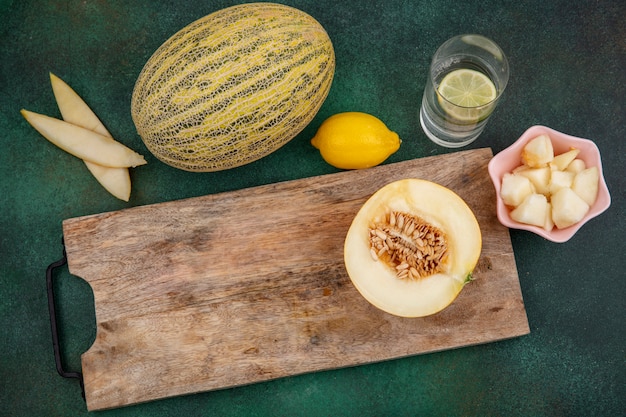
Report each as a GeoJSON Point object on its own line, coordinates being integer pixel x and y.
{"type": "Point", "coordinates": [412, 247]}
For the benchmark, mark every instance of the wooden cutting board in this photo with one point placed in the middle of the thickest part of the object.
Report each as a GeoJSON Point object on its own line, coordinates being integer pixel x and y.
{"type": "Point", "coordinates": [246, 286]}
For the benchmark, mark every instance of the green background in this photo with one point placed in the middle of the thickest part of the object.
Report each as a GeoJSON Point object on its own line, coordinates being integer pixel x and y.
{"type": "Point", "coordinates": [568, 61]}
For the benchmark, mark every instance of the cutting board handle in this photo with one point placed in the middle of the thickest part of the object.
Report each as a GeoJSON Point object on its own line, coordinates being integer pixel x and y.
{"type": "Point", "coordinates": [53, 323]}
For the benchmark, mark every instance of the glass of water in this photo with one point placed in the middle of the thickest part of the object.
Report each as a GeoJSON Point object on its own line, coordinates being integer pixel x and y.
{"type": "Point", "coordinates": [467, 77]}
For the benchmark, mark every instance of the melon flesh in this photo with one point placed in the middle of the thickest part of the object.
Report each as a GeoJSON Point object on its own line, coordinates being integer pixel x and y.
{"type": "Point", "coordinates": [74, 110]}
{"type": "Point", "coordinates": [84, 143]}
{"type": "Point", "coordinates": [379, 283]}
{"type": "Point", "coordinates": [538, 152]}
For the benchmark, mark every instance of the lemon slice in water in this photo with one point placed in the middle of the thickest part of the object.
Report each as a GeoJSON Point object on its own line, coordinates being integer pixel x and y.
{"type": "Point", "coordinates": [467, 95]}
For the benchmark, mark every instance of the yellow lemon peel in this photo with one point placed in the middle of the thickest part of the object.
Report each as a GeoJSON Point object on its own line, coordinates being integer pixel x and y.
{"type": "Point", "coordinates": [355, 140]}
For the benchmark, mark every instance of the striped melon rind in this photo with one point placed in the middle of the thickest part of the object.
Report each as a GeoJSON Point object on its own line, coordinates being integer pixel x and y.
{"type": "Point", "coordinates": [233, 86]}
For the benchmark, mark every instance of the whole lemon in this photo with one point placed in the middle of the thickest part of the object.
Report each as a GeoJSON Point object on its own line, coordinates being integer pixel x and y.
{"type": "Point", "coordinates": [355, 140]}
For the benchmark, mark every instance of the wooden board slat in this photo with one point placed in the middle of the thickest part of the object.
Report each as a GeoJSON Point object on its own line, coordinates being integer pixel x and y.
{"type": "Point", "coordinates": [246, 286]}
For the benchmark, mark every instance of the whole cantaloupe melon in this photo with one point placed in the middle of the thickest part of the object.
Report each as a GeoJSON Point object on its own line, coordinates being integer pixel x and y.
{"type": "Point", "coordinates": [233, 86]}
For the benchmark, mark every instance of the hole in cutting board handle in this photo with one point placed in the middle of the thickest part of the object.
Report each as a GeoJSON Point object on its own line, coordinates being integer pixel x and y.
{"type": "Point", "coordinates": [54, 326]}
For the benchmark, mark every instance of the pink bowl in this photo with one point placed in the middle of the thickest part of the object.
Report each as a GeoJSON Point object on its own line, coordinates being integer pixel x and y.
{"type": "Point", "coordinates": [510, 158]}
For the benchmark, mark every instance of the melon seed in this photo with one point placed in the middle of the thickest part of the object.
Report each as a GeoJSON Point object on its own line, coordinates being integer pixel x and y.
{"type": "Point", "coordinates": [409, 245]}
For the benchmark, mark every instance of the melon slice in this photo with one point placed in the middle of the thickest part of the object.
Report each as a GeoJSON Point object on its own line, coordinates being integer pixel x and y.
{"type": "Point", "coordinates": [431, 244]}
{"type": "Point", "coordinates": [74, 110]}
{"type": "Point", "coordinates": [84, 143]}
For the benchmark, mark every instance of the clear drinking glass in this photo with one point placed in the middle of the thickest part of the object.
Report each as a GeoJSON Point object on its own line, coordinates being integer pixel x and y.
{"type": "Point", "coordinates": [452, 125]}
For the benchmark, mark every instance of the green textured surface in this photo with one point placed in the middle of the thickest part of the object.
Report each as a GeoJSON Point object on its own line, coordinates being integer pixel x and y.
{"type": "Point", "coordinates": [568, 61]}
